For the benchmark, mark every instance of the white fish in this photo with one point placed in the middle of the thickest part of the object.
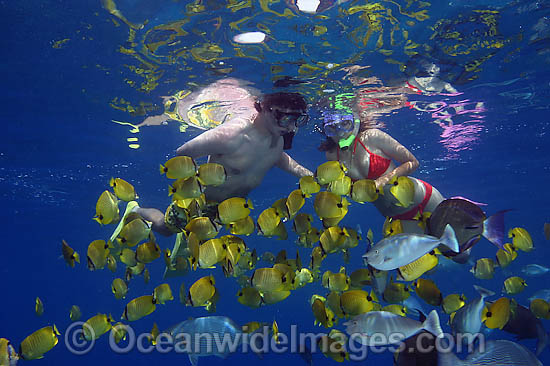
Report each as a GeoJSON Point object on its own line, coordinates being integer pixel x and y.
{"type": "Point", "coordinates": [541, 294]}
{"type": "Point", "coordinates": [468, 318]}
{"type": "Point", "coordinates": [192, 334]}
{"type": "Point", "coordinates": [401, 249]}
{"type": "Point", "coordinates": [496, 352]}
{"type": "Point", "coordinates": [534, 270]}
{"type": "Point", "coordinates": [379, 328]}
{"type": "Point", "coordinates": [250, 37]}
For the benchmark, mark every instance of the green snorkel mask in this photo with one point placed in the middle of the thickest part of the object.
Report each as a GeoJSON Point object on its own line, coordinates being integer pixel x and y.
{"type": "Point", "coordinates": [341, 120]}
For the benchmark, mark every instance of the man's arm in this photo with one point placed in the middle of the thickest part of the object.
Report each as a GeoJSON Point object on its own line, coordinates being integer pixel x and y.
{"type": "Point", "coordinates": [290, 165]}
{"type": "Point", "coordinates": [221, 140]}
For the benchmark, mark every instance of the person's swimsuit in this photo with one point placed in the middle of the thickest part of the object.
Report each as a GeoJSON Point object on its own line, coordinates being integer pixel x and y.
{"type": "Point", "coordinates": [377, 164]}
{"type": "Point", "coordinates": [409, 215]}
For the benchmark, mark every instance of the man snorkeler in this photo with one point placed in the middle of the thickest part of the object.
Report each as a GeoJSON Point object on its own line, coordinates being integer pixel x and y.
{"type": "Point", "coordinates": [247, 148]}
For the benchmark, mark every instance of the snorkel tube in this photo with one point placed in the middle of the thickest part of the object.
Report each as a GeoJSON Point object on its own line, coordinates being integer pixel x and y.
{"type": "Point", "coordinates": [287, 140]}
{"type": "Point", "coordinates": [345, 143]}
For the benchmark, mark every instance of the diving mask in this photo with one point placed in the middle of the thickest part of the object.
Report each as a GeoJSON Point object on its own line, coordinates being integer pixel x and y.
{"type": "Point", "coordinates": [340, 124]}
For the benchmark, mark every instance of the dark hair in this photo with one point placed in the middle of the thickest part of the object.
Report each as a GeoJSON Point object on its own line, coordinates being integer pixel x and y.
{"type": "Point", "coordinates": [286, 100]}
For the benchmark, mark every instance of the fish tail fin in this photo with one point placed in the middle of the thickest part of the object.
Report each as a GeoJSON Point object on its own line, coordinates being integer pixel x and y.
{"type": "Point", "coordinates": [448, 359]}
{"type": "Point", "coordinates": [542, 341]}
{"type": "Point", "coordinates": [449, 239]}
{"type": "Point", "coordinates": [432, 325]}
{"type": "Point", "coordinates": [493, 229]}
{"type": "Point", "coordinates": [483, 291]}
{"type": "Point", "coordinates": [162, 169]}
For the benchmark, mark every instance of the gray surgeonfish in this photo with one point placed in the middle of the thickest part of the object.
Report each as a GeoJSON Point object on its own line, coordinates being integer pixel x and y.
{"type": "Point", "coordinates": [192, 336]}
{"type": "Point", "coordinates": [401, 249]}
{"type": "Point", "coordinates": [525, 325]}
{"type": "Point", "coordinates": [496, 352]}
{"type": "Point", "coordinates": [469, 223]}
{"type": "Point", "coordinates": [379, 328]}
{"type": "Point", "coordinates": [467, 320]}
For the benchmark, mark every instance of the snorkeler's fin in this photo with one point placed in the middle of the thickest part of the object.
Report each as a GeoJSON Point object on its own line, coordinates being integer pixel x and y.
{"type": "Point", "coordinates": [130, 207]}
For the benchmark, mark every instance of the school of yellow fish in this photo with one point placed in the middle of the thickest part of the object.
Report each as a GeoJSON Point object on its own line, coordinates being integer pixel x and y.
{"type": "Point", "coordinates": [199, 247]}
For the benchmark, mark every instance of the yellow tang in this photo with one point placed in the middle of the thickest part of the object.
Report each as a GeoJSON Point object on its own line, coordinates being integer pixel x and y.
{"type": "Point", "coordinates": [268, 221]}
{"type": "Point", "coordinates": [514, 285]}
{"type": "Point", "coordinates": [303, 277]}
{"type": "Point", "coordinates": [396, 292]}
{"type": "Point", "coordinates": [506, 256]}
{"type": "Point", "coordinates": [332, 239]}
{"type": "Point", "coordinates": [417, 268]}
{"type": "Point", "coordinates": [335, 281]}
{"type": "Point", "coordinates": [309, 186]}
{"type": "Point", "coordinates": [212, 174]}
{"type": "Point", "coordinates": [282, 209]}
{"type": "Point", "coordinates": [106, 208]}
{"type": "Point", "coordinates": [311, 237]}
{"type": "Point", "coordinates": [183, 294]}
{"type": "Point", "coordinates": [96, 326]}
{"type": "Point", "coordinates": [396, 309]}
{"type": "Point", "coordinates": [355, 302]}
{"type": "Point", "coordinates": [69, 254]}
{"type": "Point", "coordinates": [123, 190]}
{"type": "Point", "coordinates": [39, 342]}
{"type": "Point", "coordinates": [275, 330]}
{"type": "Point", "coordinates": [179, 167]}
{"type": "Point", "coordinates": [302, 223]}
{"type": "Point", "coordinates": [234, 209]}
{"type": "Point", "coordinates": [294, 202]}
{"type": "Point", "coordinates": [211, 252]}
{"type": "Point", "coordinates": [204, 227]}
{"type": "Point", "coordinates": [333, 221]}
{"type": "Point", "coordinates": [119, 288]}
{"type": "Point", "coordinates": [332, 348]}
{"type": "Point", "coordinates": [428, 291]}
{"type": "Point", "coordinates": [249, 296]}
{"type": "Point", "coordinates": [75, 313]}
{"type": "Point", "coordinates": [540, 308]}
{"type": "Point", "coordinates": [329, 171]}
{"type": "Point", "coordinates": [162, 293]}
{"type": "Point", "coordinates": [147, 252]}
{"type": "Point", "coordinates": [392, 227]}
{"type": "Point", "coordinates": [98, 251]}
{"type": "Point", "coordinates": [155, 332]}
{"type": "Point", "coordinates": [317, 256]}
{"type": "Point", "coordinates": [139, 307]}
{"type": "Point", "coordinates": [364, 190]}
{"type": "Point", "coordinates": [484, 269]}
{"type": "Point", "coordinates": [119, 332]}
{"type": "Point", "coordinates": [328, 205]}
{"type": "Point", "coordinates": [38, 307]}
{"type": "Point", "coordinates": [402, 190]}
{"type": "Point", "coordinates": [359, 278]}
{"type": "Point", "coordinates": [352, 239]}
{"type": "Point", "coordinates": [267, 279]}
{"type": "Point", "coordinates": [333, 304]}
{"type": "Point", "coordinates": [147, 275]}
{"type": "Point", "coordinates": [201, 291]}
{"type": "Point", "coordinates": [244, 226]}
{"type": "Point", "coordinates": [128, 257]}
{"type": "Point", "coordinates": [8, 356]}
{"type": "Point", "coordinates": [274, 297]}
{"type": "Point", "coordinates": [185, 188]}
{"type": "Point", "coordinates": [321, 315]}
{"type": "Point", "coordinates": [521, 239]}
{"type": "Point", "coordinates": [340, 186]}
{"type": "Point", "coordinates": [134, 232]}
{"type": "Point", "coordinates": [111, 263]}
{"type": "Point", "coordinates": [453, 302]}
{"type": "Point", "coordinates": [497, 314]}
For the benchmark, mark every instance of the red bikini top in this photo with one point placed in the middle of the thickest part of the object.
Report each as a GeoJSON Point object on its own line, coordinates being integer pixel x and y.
{"type": "Point", "coordinates": [377, 164]}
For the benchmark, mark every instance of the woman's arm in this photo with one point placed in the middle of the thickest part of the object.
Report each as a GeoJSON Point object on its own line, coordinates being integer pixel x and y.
{"type": "Point", "coordinates": [290, 165]}
{"type": "Point", "coordinates": [394, 150]}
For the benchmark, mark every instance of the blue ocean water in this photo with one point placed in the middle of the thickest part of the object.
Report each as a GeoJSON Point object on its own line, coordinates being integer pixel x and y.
{"type": "Point", "coordinates": [65, 63]}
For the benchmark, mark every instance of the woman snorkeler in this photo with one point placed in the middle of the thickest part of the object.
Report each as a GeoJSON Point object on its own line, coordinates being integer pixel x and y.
{"type": "Point", "coordinates": [369, 153]}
